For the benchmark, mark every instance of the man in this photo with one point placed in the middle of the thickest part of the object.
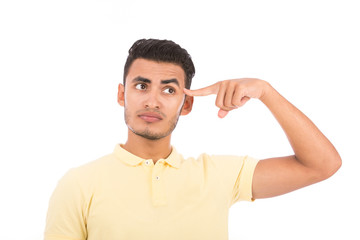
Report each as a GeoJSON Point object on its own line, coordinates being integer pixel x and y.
{"type": "Point", "coordinates": [146, 190]}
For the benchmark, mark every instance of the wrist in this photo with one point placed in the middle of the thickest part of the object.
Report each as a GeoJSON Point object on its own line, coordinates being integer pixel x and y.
{"type": "Point", "coordinates": [266, 90]}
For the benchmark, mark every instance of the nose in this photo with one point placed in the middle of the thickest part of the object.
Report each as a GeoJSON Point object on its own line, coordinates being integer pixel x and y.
{"type": "Point", "coordinates": [152, 101]}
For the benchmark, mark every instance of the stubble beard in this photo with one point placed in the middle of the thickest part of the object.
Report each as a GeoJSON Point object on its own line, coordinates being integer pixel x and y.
{"type": "Point", "coordinates": [147, 133]}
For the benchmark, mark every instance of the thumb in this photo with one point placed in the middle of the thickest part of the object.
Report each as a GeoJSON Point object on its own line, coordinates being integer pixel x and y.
{"type": "Point", "coordinates": [222, 113]}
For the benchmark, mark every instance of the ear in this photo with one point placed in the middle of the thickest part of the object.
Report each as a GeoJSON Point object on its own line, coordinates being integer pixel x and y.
{"type": "Point", "coordinates": [121, 95]}
{"type": "Point", "coordinates": [187, 107]}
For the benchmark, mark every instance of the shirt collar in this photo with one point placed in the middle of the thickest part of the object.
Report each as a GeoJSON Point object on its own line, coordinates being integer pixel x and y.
{"type": "Point", "coordinates": [174, 159]}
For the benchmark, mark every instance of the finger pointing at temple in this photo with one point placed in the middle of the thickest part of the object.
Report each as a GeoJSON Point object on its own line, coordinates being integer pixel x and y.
{"type": "Point", "coordinates": [212, 89]}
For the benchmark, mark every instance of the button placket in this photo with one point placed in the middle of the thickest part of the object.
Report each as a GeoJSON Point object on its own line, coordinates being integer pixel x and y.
{"type": "Point", "coordinates": [147, 165]}
{"type": "Point", "coordinates": [158, 184]}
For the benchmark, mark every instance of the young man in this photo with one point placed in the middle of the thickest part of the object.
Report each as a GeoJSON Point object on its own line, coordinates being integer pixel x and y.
{"type": "Point", "coordinates": [146, 190]}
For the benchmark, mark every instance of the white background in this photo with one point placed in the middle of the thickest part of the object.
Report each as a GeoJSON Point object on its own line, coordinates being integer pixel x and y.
{"type": "Point", "coordinates": [61, 62]}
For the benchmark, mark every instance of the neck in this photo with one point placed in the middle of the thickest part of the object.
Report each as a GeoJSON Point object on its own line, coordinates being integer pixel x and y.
{"type": "Point", "coordinates": [148, 149]}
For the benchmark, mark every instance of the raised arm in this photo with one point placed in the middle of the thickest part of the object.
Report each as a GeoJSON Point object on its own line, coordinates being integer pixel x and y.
{"type": "Point", "coordinates": [315, 158]}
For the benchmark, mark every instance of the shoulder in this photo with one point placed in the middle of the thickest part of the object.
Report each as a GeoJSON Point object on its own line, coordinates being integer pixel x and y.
{"type": "Point", "coordinates": [224, 163]}
{"type": "Point", "coordinates": [86, 174]}
{"type": "Point", "coordinates": [226, 159]}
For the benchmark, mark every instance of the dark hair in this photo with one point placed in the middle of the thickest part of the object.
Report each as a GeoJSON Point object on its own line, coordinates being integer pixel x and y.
{"type": "Point", "coordinates": [161, 51]}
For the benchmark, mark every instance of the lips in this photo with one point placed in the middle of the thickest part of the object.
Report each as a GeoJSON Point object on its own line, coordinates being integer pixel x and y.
{"type": "Point", "coordinates": [150, 116]}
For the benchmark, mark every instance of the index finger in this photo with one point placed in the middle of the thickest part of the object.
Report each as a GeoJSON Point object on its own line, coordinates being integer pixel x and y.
{"type": "Point", "coordinates": [212, 89]}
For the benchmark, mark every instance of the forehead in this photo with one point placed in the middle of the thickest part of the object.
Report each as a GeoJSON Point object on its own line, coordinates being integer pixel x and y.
{"type": "Point", "coordinates": [155, 71]}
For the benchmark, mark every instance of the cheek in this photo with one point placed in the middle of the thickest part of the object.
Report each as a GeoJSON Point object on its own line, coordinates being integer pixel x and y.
{"type": "Point", "coordinates": [130, 99]}
{"type": "Point", "coordinates": [177, 105]}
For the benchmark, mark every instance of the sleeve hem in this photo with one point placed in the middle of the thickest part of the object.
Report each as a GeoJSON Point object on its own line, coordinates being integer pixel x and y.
{"type": "Point", "coordinates": [59, 237]}
{"type": "Point", "coordinates": [249, 177]}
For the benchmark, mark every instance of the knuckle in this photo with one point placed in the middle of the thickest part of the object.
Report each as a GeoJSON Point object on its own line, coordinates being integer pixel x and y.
{"type": "Point", "coordinates": [239, 88]}
{"type": "Point", "coordinates": [219, 103]}
{"type": "Point", "coordinates": [224, 83]}
{"type": "Point", "coordinates": [228, 103]}
{"type": "Point", "coordinates": [233, 83]}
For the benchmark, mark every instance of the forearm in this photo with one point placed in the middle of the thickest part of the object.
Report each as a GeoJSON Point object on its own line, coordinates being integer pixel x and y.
{"type": "Point", "coordinates": [311, 147]}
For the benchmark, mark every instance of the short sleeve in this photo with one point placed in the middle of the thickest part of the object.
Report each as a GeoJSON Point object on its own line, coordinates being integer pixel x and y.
{"type": "Point", "coordinates": [243, 185]}
{"type": "Point", "coordinates": [65, 218]}
{"type": "Point", "coordinates": [237, 174]}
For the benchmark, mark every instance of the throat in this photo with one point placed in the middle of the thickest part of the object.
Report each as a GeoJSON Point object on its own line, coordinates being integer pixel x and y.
{"type": "Point", "coordinates": [146, 148]}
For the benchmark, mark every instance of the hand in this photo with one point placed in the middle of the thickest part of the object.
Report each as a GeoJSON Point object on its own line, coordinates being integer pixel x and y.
{"type": "Point", "coordinates": [232, 94]}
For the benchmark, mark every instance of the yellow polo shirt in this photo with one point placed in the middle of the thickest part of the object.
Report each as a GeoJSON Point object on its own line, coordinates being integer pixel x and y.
{"type": "Point", "coordinates": [121, 196]}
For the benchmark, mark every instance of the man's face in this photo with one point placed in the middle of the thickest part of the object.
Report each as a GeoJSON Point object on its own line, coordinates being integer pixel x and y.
{"type": "Point", "coordinates": [153, 98]}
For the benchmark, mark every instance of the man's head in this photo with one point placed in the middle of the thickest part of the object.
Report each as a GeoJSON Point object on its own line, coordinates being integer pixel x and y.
{"type": "Point", "coordinates": [155, 74]}
{"type": "Point", "coordinates": [161, 51]}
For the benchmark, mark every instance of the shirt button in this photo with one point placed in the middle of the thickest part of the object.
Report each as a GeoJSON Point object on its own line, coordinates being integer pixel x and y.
{"type": "Point", "coordinates": [147, 162]}
{"type": "Point", "coordinates": [157, 177]}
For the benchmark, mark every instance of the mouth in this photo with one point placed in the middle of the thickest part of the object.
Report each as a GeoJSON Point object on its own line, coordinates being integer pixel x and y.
{"type": "Point", "coordinates": [150, 117]}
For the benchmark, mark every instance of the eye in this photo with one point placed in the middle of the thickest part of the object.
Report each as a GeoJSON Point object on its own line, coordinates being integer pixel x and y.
{"type": "Point", "coordinates": [169, 90]}
{"type": "Point", "coordinates": [140, 86]}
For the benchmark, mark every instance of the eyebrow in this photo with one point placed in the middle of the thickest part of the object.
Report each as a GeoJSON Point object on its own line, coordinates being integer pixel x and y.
{"type": "Point", "coordinates": [146, 80]}
{"type": "Point", "coordinates": [173, 80]}
{"type": "Point", "coordinates": [141, 79]}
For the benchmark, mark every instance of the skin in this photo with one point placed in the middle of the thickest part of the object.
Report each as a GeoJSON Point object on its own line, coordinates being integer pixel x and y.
{"type": "Point", "coordinates": [155, 95]}
{"type": "Point", "coordinates": [315, 158]}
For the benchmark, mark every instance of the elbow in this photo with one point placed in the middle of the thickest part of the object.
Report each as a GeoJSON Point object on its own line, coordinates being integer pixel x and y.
{"type": "Point", "coordinates": [337, 164]}
{"type": "Point", "coordinates": [333, 165]}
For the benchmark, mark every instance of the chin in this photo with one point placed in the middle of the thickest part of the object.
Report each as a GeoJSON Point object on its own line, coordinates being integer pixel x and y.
{"type": "Point", "coordinates": [151, 135]}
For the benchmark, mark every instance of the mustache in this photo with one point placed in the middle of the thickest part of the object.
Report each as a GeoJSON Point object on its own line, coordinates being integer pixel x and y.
{"type": "Point", "coordinates": [153, 110]}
